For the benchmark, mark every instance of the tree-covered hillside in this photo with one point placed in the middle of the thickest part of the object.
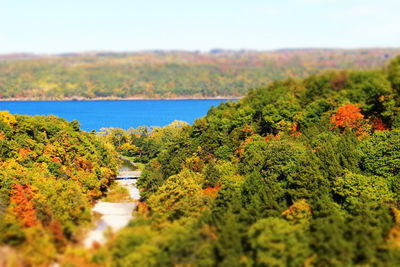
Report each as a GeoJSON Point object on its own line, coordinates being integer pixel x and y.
{"type": "Point", "coordinates": [50, 173]}
{"type": "Point", "coordinates": [169, 74]}
{"type": "Point", "coordinates": [298, 173]}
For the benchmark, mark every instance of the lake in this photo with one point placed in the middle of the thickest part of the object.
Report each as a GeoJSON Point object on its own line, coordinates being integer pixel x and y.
{"type": "Point", "coordinates": [116, 113]}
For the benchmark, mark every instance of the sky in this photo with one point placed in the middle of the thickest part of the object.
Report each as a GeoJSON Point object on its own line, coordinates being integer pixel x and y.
{"type": "Point", "coordinates": [58, 26]}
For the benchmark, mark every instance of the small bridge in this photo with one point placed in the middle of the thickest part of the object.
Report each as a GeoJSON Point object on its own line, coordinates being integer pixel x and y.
{"type": "Point", "coordinates": [128, 175]}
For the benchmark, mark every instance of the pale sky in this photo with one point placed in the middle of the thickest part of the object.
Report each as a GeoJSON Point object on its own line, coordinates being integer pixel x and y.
{"type": "Point", "coordinates": [56, 26]}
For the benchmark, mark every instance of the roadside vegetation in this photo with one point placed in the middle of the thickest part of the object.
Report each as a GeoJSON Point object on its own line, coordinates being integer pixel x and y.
{"type": "Point", "coordinates": [50, 174]}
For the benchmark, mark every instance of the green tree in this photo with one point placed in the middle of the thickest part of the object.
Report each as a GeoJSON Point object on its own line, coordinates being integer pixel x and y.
{"type": "Point", "coordinates": [275, 242]}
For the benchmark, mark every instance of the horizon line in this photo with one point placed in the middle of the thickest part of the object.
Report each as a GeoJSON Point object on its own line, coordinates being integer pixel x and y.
{"type": "Point", "coordinates": [208, 51]}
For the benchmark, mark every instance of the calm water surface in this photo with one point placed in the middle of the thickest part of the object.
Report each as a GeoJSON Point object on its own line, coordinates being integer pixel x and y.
{"type": "Point", "coordinates": [119, 113]}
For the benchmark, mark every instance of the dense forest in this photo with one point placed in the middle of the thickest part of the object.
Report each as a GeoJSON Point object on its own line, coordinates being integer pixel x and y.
{"type": "Point", "coordinates": [159, 74]}
{"type": "Point", "coordinates": [298, 173]}
{"type": "Point", "coordinates": [50, 173]}
{"type": "Point", "coordinates": [302, 172]}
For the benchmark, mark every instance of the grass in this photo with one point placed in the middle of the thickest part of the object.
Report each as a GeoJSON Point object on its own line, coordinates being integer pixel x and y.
{"type": "Point", "coordinates": [140, 165]}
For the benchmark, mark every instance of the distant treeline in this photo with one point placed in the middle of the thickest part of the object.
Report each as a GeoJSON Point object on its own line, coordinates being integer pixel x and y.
{"type": "Point", "coordinates": [162, 74]}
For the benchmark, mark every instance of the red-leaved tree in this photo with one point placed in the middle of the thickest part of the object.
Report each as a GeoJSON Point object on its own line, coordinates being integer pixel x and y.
{"type": "Point", "coordinates": [21, 197]}
{"type": "Point", "coordinates": [348, 116]}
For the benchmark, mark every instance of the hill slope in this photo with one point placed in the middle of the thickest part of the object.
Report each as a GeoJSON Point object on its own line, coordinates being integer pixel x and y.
{"type": "Point", "coordinates": [299, 173]}
{"type": "Point", "coordinates": [169, 74]}
{"type": "Point", "coordinates": [50, 173]}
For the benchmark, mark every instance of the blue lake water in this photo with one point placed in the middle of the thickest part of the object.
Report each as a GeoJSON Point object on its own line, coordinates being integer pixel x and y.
{"type": "Point", "coordinates": [119, 113]}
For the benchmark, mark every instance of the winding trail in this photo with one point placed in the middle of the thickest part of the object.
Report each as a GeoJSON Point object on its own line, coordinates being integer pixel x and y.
{"type": "Point", "coordinates": [114, 216]}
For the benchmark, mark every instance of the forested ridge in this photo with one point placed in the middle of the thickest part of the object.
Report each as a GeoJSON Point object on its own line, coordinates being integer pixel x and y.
{"type": "Point", "coordinates": [169, 74]}
{"type": "Point", "coordinates": [50, 173]}
{"type": "Point", "coordinates": [298, 173]}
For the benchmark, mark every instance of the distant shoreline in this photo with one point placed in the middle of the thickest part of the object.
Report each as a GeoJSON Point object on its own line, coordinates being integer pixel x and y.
{"type": "Point", "coordinates": [122, 98]}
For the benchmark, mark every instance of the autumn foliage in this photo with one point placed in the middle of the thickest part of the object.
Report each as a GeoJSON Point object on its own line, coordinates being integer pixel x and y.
{"type": "Point", "coordinates": [22, 198]}
{"type": "Point", "coordinates": [211, 191]}
{"type": "Point", "coordinates": [347, 116]}
{"type": "Point", "coordinates": [294, 131]}
{"type": "Point", "coordinates": [49, 174]}
{"type": "Point", "coordinates": [24, 152]}
{"type": "Point", "coordinates": [378, 125]}
{"type": "Point", "coordinates": [298, 173]}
